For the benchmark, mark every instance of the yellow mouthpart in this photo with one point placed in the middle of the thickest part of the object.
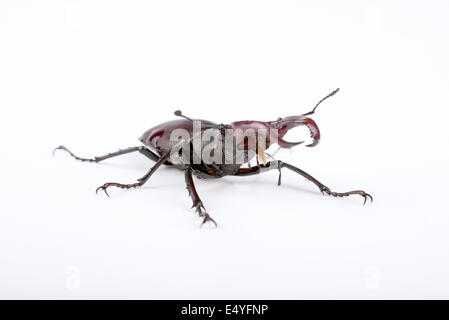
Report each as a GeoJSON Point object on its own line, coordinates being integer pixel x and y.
{"type": "Point", "coordinates": [261, 154]}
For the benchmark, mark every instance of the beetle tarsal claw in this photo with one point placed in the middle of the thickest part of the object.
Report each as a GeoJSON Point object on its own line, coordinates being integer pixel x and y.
{"type": "Point", "coordinates": [207, 218]}
{"type": "Point", "coordinates": [103, 188]}
{"type": "Point", "coordinates": [326, 190]}
{"type": "Point", "coordinates": [365, 196]}
{"type": "Point", "coordinates": [199, 208]}
{"type": "Point", "coordinates": [118, 185]}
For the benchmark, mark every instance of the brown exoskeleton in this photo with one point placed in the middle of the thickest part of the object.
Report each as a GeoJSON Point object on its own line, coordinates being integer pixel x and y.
{"type": "Point", "coordinates": [161, 144]}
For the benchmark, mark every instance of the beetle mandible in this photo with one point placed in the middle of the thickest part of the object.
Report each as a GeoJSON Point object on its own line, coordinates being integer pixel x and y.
{"type": "Point", "coordinates": [159, 146]}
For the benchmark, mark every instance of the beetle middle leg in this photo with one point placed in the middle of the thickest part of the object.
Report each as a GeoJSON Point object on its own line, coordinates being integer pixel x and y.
{"type": "Point", "coordinates": [197, 203]}
{"type": "Point", "coordinates": [140, 182]}
{"type": "Point", "coordinates": [279, 165]}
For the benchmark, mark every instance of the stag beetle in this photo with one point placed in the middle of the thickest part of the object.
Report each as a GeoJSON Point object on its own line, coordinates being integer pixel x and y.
{"type": "Point", "coordinates": [160, 146]}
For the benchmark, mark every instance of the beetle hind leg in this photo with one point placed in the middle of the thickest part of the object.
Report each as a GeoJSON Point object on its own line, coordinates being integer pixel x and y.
{"type": "Point", "coordinates": [143, 150]}
{"type": "Point", "coordinates": [197, 203]}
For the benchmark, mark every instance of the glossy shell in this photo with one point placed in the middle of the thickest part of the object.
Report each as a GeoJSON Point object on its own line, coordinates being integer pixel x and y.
{"type": "Point", "coordinates": [158, 137]}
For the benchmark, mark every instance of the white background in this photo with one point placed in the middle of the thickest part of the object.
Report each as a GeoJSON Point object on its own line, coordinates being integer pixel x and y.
{"type": "Point", "coordinates": [94, 75]}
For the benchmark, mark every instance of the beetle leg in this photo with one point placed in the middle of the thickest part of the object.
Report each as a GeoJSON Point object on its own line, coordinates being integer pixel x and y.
{"type": "Point", "coordinates": [140, 182]}
{"type": "Point", "coordinates": [324, 189]}
{"type": "Point", "coordinates": [143, 150]}
{"type": "Point", "coordinates": [197, 203]}
{"type": "Point", "coordinates": [280, 172]}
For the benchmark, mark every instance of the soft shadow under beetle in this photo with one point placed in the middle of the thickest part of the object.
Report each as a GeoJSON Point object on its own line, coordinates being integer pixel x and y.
{"type": "Point", "coordinates": [159, 146]}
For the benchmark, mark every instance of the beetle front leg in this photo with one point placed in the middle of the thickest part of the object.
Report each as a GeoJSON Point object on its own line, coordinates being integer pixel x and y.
{"type": "Point", "coordinates": [324, 189]}
{"type": "Point", "coordinates": [140, 182]}
{"type": "Point", "coordinates": [197, 203]}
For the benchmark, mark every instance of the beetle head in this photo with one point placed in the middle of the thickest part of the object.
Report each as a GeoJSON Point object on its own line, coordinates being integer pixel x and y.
{"type": "Point", "coordinates": [257, 136]}
{"type": "Point", "coordinates": [276, 130]}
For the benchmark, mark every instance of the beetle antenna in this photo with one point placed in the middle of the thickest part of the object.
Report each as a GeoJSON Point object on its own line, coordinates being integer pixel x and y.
{"type": "Point", "coordinates": [179, 114]}
{"type": "Point", "coordinates": [220, 127]}
{"type": "Point", "coordinates": [328, 96]}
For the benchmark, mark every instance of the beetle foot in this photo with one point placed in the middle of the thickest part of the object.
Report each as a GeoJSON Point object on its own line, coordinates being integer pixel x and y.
{"type": "Point", "coordinates": [326, 190]}
{"type": "Point", "coordinates": [207, 218]}
{"type": "Point", "coordinates": [118, 185]}
{"type": "Point", "coordinates": [73, 155]}
{"type": "Point", "coordinates": [199, 208]}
